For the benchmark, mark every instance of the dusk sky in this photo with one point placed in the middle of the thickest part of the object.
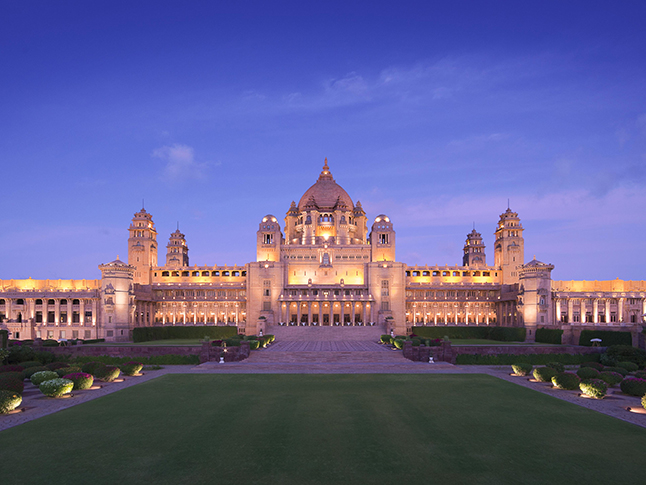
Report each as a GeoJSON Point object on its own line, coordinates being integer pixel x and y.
{"type": "Point", "coordinates": [218, 113]}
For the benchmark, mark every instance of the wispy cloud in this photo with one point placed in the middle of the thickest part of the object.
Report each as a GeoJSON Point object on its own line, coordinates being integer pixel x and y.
{"type": "Point", "coordinates": [180, 163]}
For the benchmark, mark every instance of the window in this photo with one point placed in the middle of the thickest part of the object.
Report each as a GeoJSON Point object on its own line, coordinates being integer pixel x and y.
{"type": "Point", "coordinates": [383, 238]}
{"type": "Point", "coordinates": [384, 288]}
{"type": "Point", "coordinates": [385, 305]}
{"type": "Point", "coordinates": [87, 334]}
{"type": "Point", "coordinates": [268, 238]}
{"type": "Point", "coordinates": [266, 306]}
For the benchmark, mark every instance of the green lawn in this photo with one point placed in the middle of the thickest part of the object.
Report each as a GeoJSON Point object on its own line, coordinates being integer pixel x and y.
{"type": "Point", "coordinates": [302, 429]}
{"type": "Point", "coordinates": [475, 341]}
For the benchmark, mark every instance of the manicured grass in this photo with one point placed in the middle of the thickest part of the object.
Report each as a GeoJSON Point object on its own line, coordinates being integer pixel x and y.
{"type": "Point", "coordinates": [476, 341]}
{"type": "Point", "coordinates": [177, 341]}
{"type": "Point", "coordinates": [314, 429]}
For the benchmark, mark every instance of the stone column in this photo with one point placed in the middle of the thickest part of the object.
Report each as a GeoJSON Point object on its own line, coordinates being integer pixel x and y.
{"type": "Point", "coordinates": [620, 310]}
{"type": "Point", "coordinates": [298, 313]}
{"type": "Point", "coordinates": [82, 311]}
{"type": "Point", "coordinates": [607, 311]}
{"type": "Point", "coordinates": [341, 314]}
{"type": "Point", "coordinates": [570, 310]}
{"type": "Point", "coordinates": [94, 312]}
{"type": "Point", "coordinates": [280, 311]}
{"type": "Point", "coordinates": [57, 311]}
{"type": "Point", "coordinates": [321, 312]}
{"type": "Point", "coordinates": [558, 310]}
{"type": "Point", "coordinates": [195, 315]}
{"type": "Point", "coordinates": [309, 313]}
{"type": "Point", "coordinates": [353, 312]}
{"type": "Point", "coordinates": [595, 311]}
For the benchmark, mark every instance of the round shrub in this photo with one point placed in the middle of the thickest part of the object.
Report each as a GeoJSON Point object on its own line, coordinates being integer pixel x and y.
{"type": "Point", "coordinates": [594, 365]}
{"type": "Point", "coordinates": [587, 373]}
{"type": "Point", "coordinates": [618, 370]}
{"type": "Point", "coordinates": [633, 386]}
{"type": "Point", "coordinates": [56, 387]}
{"type": "Point", "coordinates": [398, 343]}
{"type": "Point", "coordinates": [595, 388]}
{"type": "Point", "coordinates": [557, 366]}
{"type": "Point", "coordinates": [45, 375]}
{"type": "Point", "coordinates": [232, 342]}
{"type": "Point", "coordinates": [611, 378]}
{"type": "Point", "coordinates": [385, 339]}
{"type": "Point", "coordinates": [644, 401]}
{"type": "Point", "coordinates": [254, 344]}
{"type": "Point", "coordinates": [81, 380]}
{"type": "Point", "coordinates": [30, 371]}
{"type": "Point", "coordinates": [90, 367]}
{"type": "Point", "coordinates": [270, 337]}
{"type": "Point", "coordinates": [57, 365]}
{"type": "Point", "coordinates": [30, 363]}
{"type": "Point", "coordinates": [67, 370]}
{"type": "Point", "coordinates": [12, 381]}
{"type": "Point", "coordinates": [522, 369]}
{"type": "Point", "coordinates": [9, 401]}
{"type": "Point", "coordinates": [11, 368]}
{"type": "Point", "coordinates": [544, 374]}
{"type": "Point", "coordinates": [629, 366]}
{"type": "Point", "coordinates": [416, 342]}
{"type": "Point", "coordinates": [131, 368]}
{"type": "Point", "coordinates": [566, 380]}
{"type": "Point", "coordinates": [107, 373]}
{"type": "Point", "coordinates": [640, 374]}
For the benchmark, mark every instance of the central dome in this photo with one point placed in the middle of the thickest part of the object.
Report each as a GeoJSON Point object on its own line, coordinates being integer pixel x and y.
{"type": "Point", "coordinates": [325, 193]}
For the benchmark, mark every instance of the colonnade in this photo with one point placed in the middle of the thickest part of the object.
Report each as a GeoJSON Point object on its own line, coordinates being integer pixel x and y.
{"type": "Point", "coordinates": [599, 311]}
{"type": "Point", "coordinates": [451, 314]}
{"type": "Point", "coordinates": [326, 312]}
{"type": "Point", "coordinates": [189, 313]}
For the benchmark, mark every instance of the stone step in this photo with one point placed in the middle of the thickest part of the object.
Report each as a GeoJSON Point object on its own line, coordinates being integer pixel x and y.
{"type": "Point", "coordinates": [366, 357]}
{"type": "Point", "coordinates": [314, 333]}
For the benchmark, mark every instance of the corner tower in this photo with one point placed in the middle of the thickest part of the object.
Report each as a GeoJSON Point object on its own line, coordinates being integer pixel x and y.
{"type": "Point", "coordinates": [509, 249]}
{"type": "Point", "coordinates": [382, 239]}
{"type": "Point", "coordinates": [268, 240]}
{"type": "Point", "coordinates": [142, 246]}
{"type": "Point", "coordinates": [474, 251]}
{"type": "Point", "coordinates": [177, 250]}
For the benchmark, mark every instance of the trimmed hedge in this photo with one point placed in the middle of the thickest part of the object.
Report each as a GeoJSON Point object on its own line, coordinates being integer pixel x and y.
{"type": "Point", "coordinates": [535, 359]}
{"type": "Point", "coordinates": [633, 386]}
{"type": "Point", "coordinates": [398, 343]}
{"type": "Point", "coordinates": [557, 366]}
{"type": "Point", "coordinates": [625, 353]}
{"type": "Point", "coordinates": [30, 363]}
{"type": "Point", "coordinates": [56, 387]}
{"type": "Point", "coordinates": [549, 335]}
{"type": "Point", "coordinates": [594, 365]}
{"type": "Point", "coordinates": [57, 365]}
{"type": "Point", "coordinates": [611, 378]}
{"type": "Point", "coordinates": [608, 337]}
{"type": "Point", "coordinates": [30, 371]}
{"type": "Point", "coordinates": [522, 369]}
{"type": "Point", "coordinates": [131, 368]}
{"type": "Point", "coordinates": [39, 377]}
{"type": "Point", "coordinates": [91, 367]}
{"type": "Point", "coordinates": [168, 359]}
{"type": "Point", "coordinates": [385, 339]}
{"type": "Point", "coordinates": [145, 334]}
{"type": "Point", "coordinates": [254, 344]}
{"type": "Point", "coordinates": [81, 380]}
{"type": "Point", "coordinates": [566, 380]}
{"type": "Point", "coordinates": [644, 401]}
{"type": "Point", "coordinates": [587, 373]}
{"type": "Point", "coordinates": [9, 401]}
{"type": "Point", "coordinates": [11, 368]}
{"type": "Point", "coordinates": [503, 334]}
{"type": "Point", "coordinates": [595, 388]}
{"type": "Point", "coordinates": [641, 374]}
{"type": "Point", "coordinates": [618, 370]}
{"type": "Point", "coordinates": [12, 381]}
{"type": "Point", "coordinates": [629, 366]}
{"type": "Point", "coordinates": [544, 374]}
{"type": "Point", "coordinates": [67, 370]}
{"type": "Point", "coordinates": [107, 373]}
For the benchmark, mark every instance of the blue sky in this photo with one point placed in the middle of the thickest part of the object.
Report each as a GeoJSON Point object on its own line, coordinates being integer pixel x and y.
{"type": "Point", "coordinates": [218, 113]}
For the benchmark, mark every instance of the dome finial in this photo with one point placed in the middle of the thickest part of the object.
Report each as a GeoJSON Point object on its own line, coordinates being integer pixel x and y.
{"type": "Point", "coordinates": [325, 173]}
{"type": "Point", "coordinates": [325, 167]}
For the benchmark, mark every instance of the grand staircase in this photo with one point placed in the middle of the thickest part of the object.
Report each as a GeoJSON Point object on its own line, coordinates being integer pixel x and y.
{"type": "Point", "coordinates": [326, 345]}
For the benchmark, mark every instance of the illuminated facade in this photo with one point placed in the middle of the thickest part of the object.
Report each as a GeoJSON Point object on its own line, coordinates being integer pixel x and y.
{"type": "Point", "coordinates": [325, 267]}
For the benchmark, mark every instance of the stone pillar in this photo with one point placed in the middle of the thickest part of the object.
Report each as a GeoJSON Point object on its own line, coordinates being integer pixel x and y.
{"type": "Point", "coordinates": [607, 311]}
{"type": "Point", "coordinates": [309, 313]}
{"type": "Point", "coordinates": [321, 312]}
{"type": "Point", "coordinates": [570, 310]}
{"type": "Point", "coordinates": [558, 310]}
{"type": "Point", "coordinates": [57, 311]}
{"type": "Point", "coordinates": [595, 311]}
{"type": "Point", "coordinates": [298, 313]}
{"type": "Point", "coordinates": [280, 311]}
{"type": "Point", "coordinates": [342, 313]}
{"type": "Point", "coordinates": [353, 312]}
{"type": "Point", "coordinates": [620, 310]}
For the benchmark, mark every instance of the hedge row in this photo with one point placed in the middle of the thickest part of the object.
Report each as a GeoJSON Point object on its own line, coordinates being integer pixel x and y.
{"type": "Point", "coordinates": [549, 335]}
{"type": "Point", "coordinates": [608, 337]}
{"type": "Point", "coordinates": [169, 359]}
{"type": "Point", "coordinates": [146, 334]}
{"type": "Point", "coordinates": [503, 334]}
{"type": "Point", "coordinates": [534, 359]}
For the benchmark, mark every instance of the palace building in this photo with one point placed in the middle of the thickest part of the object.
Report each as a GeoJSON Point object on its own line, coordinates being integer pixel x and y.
{"type": "Point", "coordinates": [322, 267]}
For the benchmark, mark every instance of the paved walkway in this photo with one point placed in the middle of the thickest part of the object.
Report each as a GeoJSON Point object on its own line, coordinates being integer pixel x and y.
{"type": "Point", "coordinates": [36, 405]}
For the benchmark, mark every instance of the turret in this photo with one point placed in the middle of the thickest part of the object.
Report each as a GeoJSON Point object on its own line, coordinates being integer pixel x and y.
{"type": "Point", "coordinates": [269, 239]}
{"type": "Point", "coordinates": [382, 239]}
{"type": "Point", "coordinates": [142, 246]}
{"type": "Point", "coordinates": [509, 248]}
{"type": "Point", "coordinates": [177, 250]}
{"type": "Point", "coordinates": [474, 251]}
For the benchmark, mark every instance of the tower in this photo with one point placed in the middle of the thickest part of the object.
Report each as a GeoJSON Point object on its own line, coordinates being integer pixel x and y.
{"type": "Point", "coordinates": [142, 246]}
{"type": "Point", "coordinates": [177, 250]}
{"type": "Point", "coordinates": [535, 296]}
{"type": "Point", "coordinates": [382, 239]}
{"type": "Point", "coordinates": [474, 251]}
{"type": "Point", "coordinates": [269, 239]}
{"type": "Point", "coordinates": [509, 249]}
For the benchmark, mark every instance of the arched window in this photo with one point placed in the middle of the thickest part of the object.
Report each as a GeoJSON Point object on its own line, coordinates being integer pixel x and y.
{"type": "Point", "coordinates": [225, 273]}
{"type": "Point", "coordinates": [50, 302]}
{"type": "Point", "coordinates": [236, 273]}
{"type": "Point", "coordinates": [185, 273]}
{"type": "Point", "coordinates": [165, 273]}
{"type": "Point", "coordinates": [196, 273]}
{"type": "Point", "coordinates": [175, 273]}
{"type": "Point", "coordinates": [75, 302]}
{"type": "Point", "coordinates": [215, 273]}
{"type": "Point", "coordinates": [63, 302]}
{"type": "Point", "coordinates": [1, 301]}
{"type": "Point", "coordinates": [326, 258]}
{"type": "Point", "coordinates": [205, 273]}
{"type": "Point", "coordinates": [38, 302]}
